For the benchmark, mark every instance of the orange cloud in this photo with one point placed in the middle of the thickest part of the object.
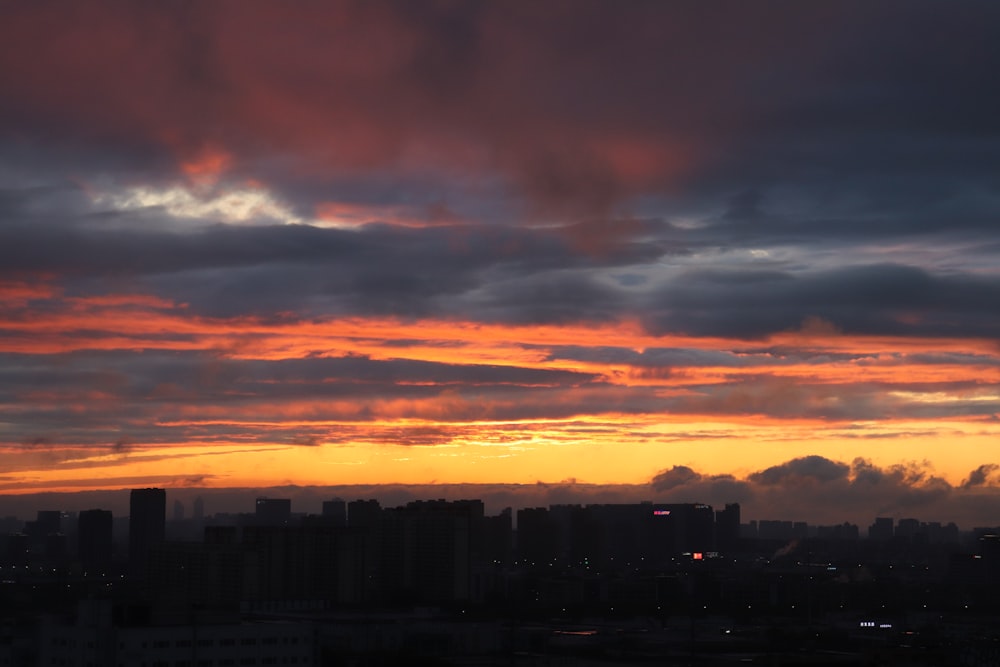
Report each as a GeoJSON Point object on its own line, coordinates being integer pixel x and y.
{"type": "Point", "coordinates": [206, 166]}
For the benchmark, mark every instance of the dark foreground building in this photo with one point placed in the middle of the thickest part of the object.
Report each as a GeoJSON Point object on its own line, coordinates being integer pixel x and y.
{"type": "Point", "coordinates": [146, 526]}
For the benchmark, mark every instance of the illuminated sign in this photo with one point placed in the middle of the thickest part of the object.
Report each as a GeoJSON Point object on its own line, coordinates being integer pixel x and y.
{"type": "Point", "coordinates": [661, 512]}
{"type": "Point", "coordinates": [697, 555]}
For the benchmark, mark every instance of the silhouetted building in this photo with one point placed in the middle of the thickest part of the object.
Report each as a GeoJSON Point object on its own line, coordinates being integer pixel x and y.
{"type": "Point", "coordinates": [427, 551]}
{"type": "Point", "coordinates": [221, 535]}
{"type": "Point", "coordinates": [366, 516]}
{"type": "Point", "coordinates": [178, 510]}
{"type": "Point", "coordinates": [683, 528]}
{"type": "Point", "coordinates": [335, 512]}
{"type": "Point", "coordinates": [203, 575]}
{"type": "Point", "coordinates": [536, 536]}
{"type": "Point", "coordinates": [844, 531]}
{"type": "Point", "coordinates": [907, 528]}
{"type": "Point", "coordinates": [16, 549]}
{"type": "Point", "coordinates": [562, 517]}
{"type": "Point", "coordinates": [273, 511]}
{"type": "Point", "coordinates": [771, 529]}
{"type": "Point", "coordinates": [95, 544]}
{"type": "Point", "coordinates": [314, 562]}
{"type": "Point", "coordinates": [881, 530]}
{"type": "Point", "coordinates": [198, 509]}
{"type": "Point", "coordinates": [497, 537]}
{"type": "Point", "coordinates": [45, 538]}
{"type": "Point", "coordinates": [146, 525]}
{"type": "Point", "coordinates": [588, 540]}
{"type": "Point", "coordinates": [989, 551]}
{"type": "Point", "coordinates": [47, 522]}
{"type": "Point", "coordinates": [363, 513]}
{"type": "Point", "coordinates": [727, 528]}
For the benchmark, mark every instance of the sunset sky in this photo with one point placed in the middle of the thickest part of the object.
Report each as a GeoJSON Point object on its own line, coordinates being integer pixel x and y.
{"type": "Point", "coordinates": [705, 251]}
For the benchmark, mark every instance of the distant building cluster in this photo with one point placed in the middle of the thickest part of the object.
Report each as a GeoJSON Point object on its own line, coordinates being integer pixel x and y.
{"type": "Point", "coordinates": [261, 588]}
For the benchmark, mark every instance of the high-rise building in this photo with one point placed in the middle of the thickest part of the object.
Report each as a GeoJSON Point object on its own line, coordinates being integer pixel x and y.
{"type": "Point", "coordinates": [496, 537]}
{"type": "Point", "coordinates": [363, 513]}
{"type": "Point", "coordinates": [48, 522]}
{"type": "Point", "coordinates": [206, 574]}
{"type": "Point", "coordinates": [311, 561]}
{"type": "Point", "coordinates": [727, 528]}
{"type": "Point", "coordinates": [682, 527]}
{"type": "Point", "coordinates": [426, 551]}
{"type": "Point", "coordinates": [335, 512]}
{"type": "Point", "coordinates": [366, 517]}
{"type": "Point", "coordinates": [273, 511]}
{"type": "Point", "coordinates": [881, 530]}
{"type": "Point", "coordinates": [537, 539]}
{"type": "Point", "coordinates": [775, 529]}
{"type": "Point", "coordinates": [146, 525]}
{"type": "Point", "coordinates": [907, 528]}
{"type": "Point", "coordinates": [94, 536]}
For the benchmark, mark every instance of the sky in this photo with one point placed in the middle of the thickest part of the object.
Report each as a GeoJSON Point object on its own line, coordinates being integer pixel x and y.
{"type": "Point", "coordinates": [703, 251]}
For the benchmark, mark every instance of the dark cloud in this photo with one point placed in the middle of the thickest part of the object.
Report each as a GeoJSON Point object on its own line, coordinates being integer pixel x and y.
{"type": "Point", "coordinates": [506, 276]}
{"type": "Point", "coordinates": [813, 468]}
{"type": "Point", "coordinates": [980, 475]}
{"type": "Point", "coordinates": [674, 477]}
{"type": "Point", "coordinates": [882, 299]}
{"type": "Point", "coordinates": [578, 105]}
{"type": "Point", "coordinates": [818, 489]}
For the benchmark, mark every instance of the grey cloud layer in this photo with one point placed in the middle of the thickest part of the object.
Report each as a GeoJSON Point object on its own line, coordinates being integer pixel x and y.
{"type": "Point", "coordinates": [491, 273]}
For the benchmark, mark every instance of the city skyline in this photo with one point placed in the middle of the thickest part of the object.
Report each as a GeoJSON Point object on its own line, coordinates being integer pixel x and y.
{"type": "Point", "coordinates": [147, 524]}
{"type": "Point", "coordinates": [203, 506]}
{"type": "Point", "coordinates": [707, 252]}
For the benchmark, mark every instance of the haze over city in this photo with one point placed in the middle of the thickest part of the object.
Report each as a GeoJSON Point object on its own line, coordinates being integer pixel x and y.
{"type": "Point", "coordinates": [534, 253]}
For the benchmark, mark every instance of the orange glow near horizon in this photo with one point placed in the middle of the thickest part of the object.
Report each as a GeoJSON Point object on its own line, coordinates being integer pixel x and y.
{"type": "Point", "coordinates": [690, 415]}
{"type": "Point", "coordinates": [541, 452]}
